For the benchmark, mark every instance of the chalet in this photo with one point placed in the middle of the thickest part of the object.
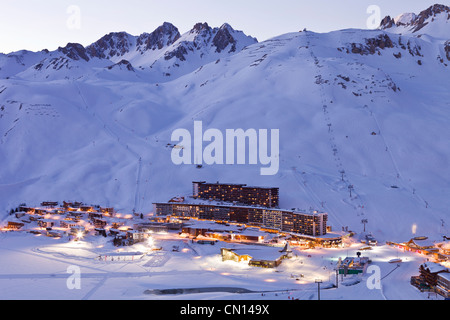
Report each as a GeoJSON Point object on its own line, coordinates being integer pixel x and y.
{"type": "Point", "coordinates": [75, 215]}
{"type": "Point", "coordinates": [67, 223]}
{"type": "Point", "coordinates": [352, 265]}
{"type": "Point", "coordinates": [99, 223]}
{"type": "Point", "coordinates": [49, 204]}
{"type": "Point", "coordinates": [151, 227]}
{"type": "Point", "coordinates": [100, 232]}
{"type": "Point", "coordinates": [26, 209]}
{"type": "Point", "coordinates": [224, 236]}
{"type": "Point", "coordinates": [266, 257]}
{"type": "Point", "coordinates": [72, 206]}
{"type": "Point", "coordinates": [87, 208]}
{"type": "Point", "coordinates": [248, 235]}
{"type": "Point", "coordinates": [136, 236]}
{"type": "Point", "coordinates": [14, 225]}
{"type": "Point", "coordinates": [108, 211]}
{"type": "Point", "coordinates": [194, 231]}
{"type": "Point", "coordinates": [421, 245]}
{"type": "Point", "coordinates": [419, 283]}
{"type": "Point", "coordinates": [418, 244]}
{"type": "Point", "coordinates": [54, 233]}
{"type": "Point", "coordinates": [95, 215]}
{"type": "Point", "coordinates": [46, 223]}
{"type": "Point", "coordinates": [67, 204]}
{"type": "Point", "coordinates": [77, 204]}
{"type": "Point", "coordinates": [443, 284]}
{"type": "Point", "coordinates": [40, 211]}
{"type": "Point", "coordinates": [428, 272]}
{"type": "Point", "coordinates": [117, 223]}
{"type": "Point", "coordinates": [234, 255]}
{"type": "Point", "coordinates": [120, 239]}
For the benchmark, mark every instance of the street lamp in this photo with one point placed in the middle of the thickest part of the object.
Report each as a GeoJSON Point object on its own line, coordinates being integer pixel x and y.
{"type": "Point", "coordinates": [318, 281]}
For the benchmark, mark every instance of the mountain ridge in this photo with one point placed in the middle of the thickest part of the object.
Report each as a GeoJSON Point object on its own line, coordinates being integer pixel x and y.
{"type": "Point", "coordinates": [415, 23]}
{"type": "Point", "coordinates": [164, 49]}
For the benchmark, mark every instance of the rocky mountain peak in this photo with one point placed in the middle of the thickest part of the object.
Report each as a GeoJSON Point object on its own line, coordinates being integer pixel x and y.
{"type": "Point", "coordinates": [200, 27]}
{"type": "Point", "coordinates": [110, 45]}
{"type": "Point", "coordinates": [74, 51]}
{"type": "Point", "coordinates": [164, 35]}
{"type": "Point", "coordinates": [224, 38]}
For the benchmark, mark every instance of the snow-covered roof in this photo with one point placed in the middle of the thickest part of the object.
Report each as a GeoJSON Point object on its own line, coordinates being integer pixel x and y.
{"type": "Point", "coordinates": [327, 236]}
{"type": "Point", "coordinates": [210, 202]}
{"type": "Point", "coordinates": [251, 233]}
{"type": "Point", "coordinates": [135, 231]}
{"type": "Point", "coordinates": [263, 253]}
{"type": "Point", "coordinates": [445, 275]}
{"type": "Point", "coordinates": [434, 267]}
{"type": "Point", "coordinates": [423, 243]}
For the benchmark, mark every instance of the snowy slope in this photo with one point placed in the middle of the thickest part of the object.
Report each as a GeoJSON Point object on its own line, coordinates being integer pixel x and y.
{"type": "Point", "coordinates": [354, 107]}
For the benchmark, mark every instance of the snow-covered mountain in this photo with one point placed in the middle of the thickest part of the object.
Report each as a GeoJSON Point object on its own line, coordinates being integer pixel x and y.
{"type": "Point", "coordinates": [161, 55]}
{"type": "Point", "coordinates": [363, 108]}
{"type": "Point", "coordinates": [434, 21]}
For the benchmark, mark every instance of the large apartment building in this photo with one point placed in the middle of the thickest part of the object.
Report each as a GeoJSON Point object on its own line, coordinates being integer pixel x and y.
{"type": "Point", "coordinates": [289, 221]}
{"type": "Point", "coordinates": [239, 203]}
{"type": "Point", "coordinates": [238, 193]}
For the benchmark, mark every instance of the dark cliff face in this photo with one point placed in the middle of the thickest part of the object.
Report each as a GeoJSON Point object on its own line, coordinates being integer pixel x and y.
{"type": "Point", "coordinates": [383, 41]}
{"type": "Point", "coordinates": [74, 51]}
{"type": "Point", "coordinates": [432, 11]}
{"type": "Point", "coordinates": [117, 44]}
{"type": "Point", "coordinates": [223, 38]}
{"type": "Point", "coordinates": [180, 52]}
{"type": "Point", "coordinates": [205, 37]}
{"type": "Point", "coordinates": [163, 36]}
{"type": "Point", "coordinates": [122, 63]}
{"type": "Point", "coordinates": [372, 45]}
{"type": "Point", "coordinates": [110, 45]}
{"type": "Point", "coordinates": [387, 22]}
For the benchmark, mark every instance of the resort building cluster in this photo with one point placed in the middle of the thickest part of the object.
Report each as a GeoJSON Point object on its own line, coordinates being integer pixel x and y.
{"type": "Point", "coordinates": [234, 215]}
{"type": "Point", "coordinates": [252, 206]}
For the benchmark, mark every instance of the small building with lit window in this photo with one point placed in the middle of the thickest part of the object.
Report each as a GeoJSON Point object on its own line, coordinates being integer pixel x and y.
{"type": "Point", "coordinates": [265, 257]}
